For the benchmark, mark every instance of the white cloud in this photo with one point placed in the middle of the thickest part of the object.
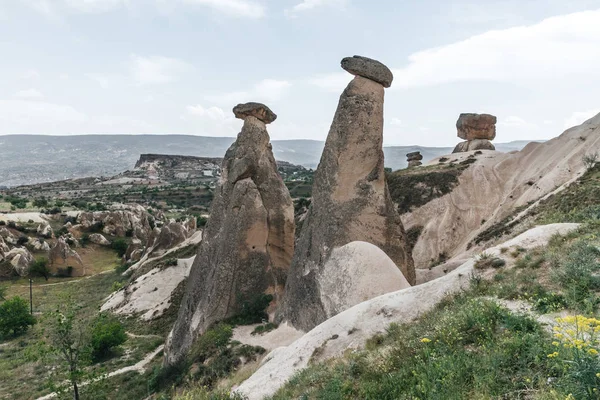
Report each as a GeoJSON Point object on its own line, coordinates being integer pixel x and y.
{"type": "Point", "coordinates": [29, 94]}
{"type": "Point", "coordinates": [267, 90]}
{"type": "Point", "coordinates": [513, 121]}
{"type": "Point", "coordinates": [556, 47]}
{"type": "Point", "coordinates": [234, 8]}
{"type": "Point", "coordinates": [308, 5]}
{"type": "Point", "coordinates": [579, 117]}
{"type": "Point", "coordinates": [156, 69]}
{"type": "Point", "coordinates": [211, 121]}
{"type": "Point", "coordinates": [335, 82]}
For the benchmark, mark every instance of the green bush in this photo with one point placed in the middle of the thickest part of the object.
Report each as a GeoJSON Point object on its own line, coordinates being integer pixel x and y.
{"type": "Point", "coordinates": [15, 318]}
{"type": "Point", "coordinates": [252, 310]}
{"type": "Point", "coordinates": [120, 246]}
{"type": "Point", "coordinates": [40, 268]}
{"type": "Point", "coordinates": [107, 333]}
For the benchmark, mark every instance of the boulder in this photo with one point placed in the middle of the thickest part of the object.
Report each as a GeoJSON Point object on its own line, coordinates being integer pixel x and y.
{"type": "Point", "coordinates": [21, 259]}
{"type": "Point", "coordinates": [351, 202]}
{"type": "Point", "coordinates": [38, 245]}
{"type": "Point", "coordinates": [257, 110]}
{"type": "Point", "coordinates": [414, 156]}
{"type": "Point", "coordinates": [134, 251]}
{"type": "Point", "coordinates": [8, 237]}
{"type": "Point", "coordinates": [247, 243]}
{"type": "Point", "coordinates": [62, 254]}
{"type": "Point", "coordinates": [123, 221]}
{"type": "Point", "coordinates": [45, 230]}
{"type": "Point", "coordinates": [476, 126]}
{"type": "Point", "coordinates": [98, 238]}
{"type": "Point", "coordinates": [414, 163]}
{"type": "Point", "coordinates": [471, 145]}
{"type": "Point", "coordinates": [368, 68]}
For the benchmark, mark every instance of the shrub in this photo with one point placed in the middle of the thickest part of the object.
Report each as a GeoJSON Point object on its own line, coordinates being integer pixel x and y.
{"type": "Point", "coordinates": [120, 246]}
{"type": "Point", "coordinates": [589, 160]}
{"type": "Point", "coordinates": [40, 268]}
{"type": "Point", "coordinates": [252, 311]}
{"type": "Point", "coordinates": [15, 318]}
{"type": "Point", "coordinates": [107, 333]}
{"type": "Point", "coordinates": [201, 221]}
{"type": "Point", "coordinates": [22, 240]}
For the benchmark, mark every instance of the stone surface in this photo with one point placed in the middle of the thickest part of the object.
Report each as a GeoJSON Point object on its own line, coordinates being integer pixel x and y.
{"type": "Point", "coordinates": [476, 126]}
{"type": "Point", "coordinates": [351, 202]}
{"type": "Point", "coordinates": [257, 110]}
{"type": "Point", "coordinates": [247, 244]}
{"type": "Point", "coordinates": [62, 254]}
{"type": "Point", "coordinates": [368, 68]}
{"type": "Point", "coordinates": [414, 156]}
{"type": "Point", "coordinates": [38, 245]}
{"type": "Point", "coordinates": [476, 144]}
{"type": "Point", "coordinates": [415, 163]}
{"type": "Point", "coordinates": [21, 259]}
{"type": "Point", "coordinates": [170, 235]}
{"type": "Point", "coordinates": [119, 221]}
{"type": "Point", "coordinates": [98, 238]}
{"type": "Point", "coordinates": [45, 230]}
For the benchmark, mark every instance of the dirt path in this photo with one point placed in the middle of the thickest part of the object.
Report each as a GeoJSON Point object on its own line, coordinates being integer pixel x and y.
{"type": "Point", "coordinates": [138, 367]}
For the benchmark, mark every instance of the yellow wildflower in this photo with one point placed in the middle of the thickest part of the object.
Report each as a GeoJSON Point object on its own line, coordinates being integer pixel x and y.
{"type": "Point", "coordinates": [593, 351]}
{"type": "Point", "coordinates": [425, 340]}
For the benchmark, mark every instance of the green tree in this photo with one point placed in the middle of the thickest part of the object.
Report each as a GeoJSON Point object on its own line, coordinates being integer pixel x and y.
{"type": "Point", "coordinates": [15, 318]}
{"type": "Point", "coordinates": [120, 246]}
{"type": "Point", "coordinates": [70, 340]}
{"type": "Point", "coordinates": [40, 268]}
{"type": "Point", "coordinates": [107, 333]}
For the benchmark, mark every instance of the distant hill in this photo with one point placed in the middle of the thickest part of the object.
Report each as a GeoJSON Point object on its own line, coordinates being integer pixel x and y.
{"type": "Point", "coordinates": [27, 159]}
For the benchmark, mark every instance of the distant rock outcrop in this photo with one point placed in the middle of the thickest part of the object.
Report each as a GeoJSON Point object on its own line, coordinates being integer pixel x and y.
{"type": "Point", "coordinates": [21, 259]}
{"type": "Point", "coordinates": [62, 254]}
{"type": "Point", "coordinates": [131, 220]}
{"type": "Point", "coordinates": [477, 130]}
{"type": "Point", "coordinates": [350, 203]}
{"type": "Point", "coordinates": [98, 238]}
{"type": "Point", "coordinates": [248, 241]}
{"type": "Point", "coordinates": [414, 159]}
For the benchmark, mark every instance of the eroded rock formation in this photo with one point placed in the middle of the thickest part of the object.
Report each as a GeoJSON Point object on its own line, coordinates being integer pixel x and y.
{"type": "Point", "coordinates": [414, 159]}
{"type": "Point", "coordinates": [477, 130]}
{"type": "Point", "coordinates": [249, 239]}
{"type": "Point", "coordinates": [351, 203]}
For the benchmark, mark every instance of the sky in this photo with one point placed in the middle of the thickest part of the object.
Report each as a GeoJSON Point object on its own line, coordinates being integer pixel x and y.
{"type": "Point", "coordinates": [179, 66]}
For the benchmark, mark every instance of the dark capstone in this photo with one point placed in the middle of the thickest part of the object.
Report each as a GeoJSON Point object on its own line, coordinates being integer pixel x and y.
{"type": "Point", "coordinates": [258, 110]}
{"type": "Point", "coordinates": [368, 68]}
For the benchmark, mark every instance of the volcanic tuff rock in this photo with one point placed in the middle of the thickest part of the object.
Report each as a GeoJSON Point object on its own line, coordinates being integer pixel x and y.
{"type": "Point", "coordinates": [257, 110]}
{"type": "Point", "coordinates": [475, 144]}
{"type": "Point", "coordinates": [351, 202]}
{"type": "Point", "coordinates": [368, 68]}
{"type": "Point", "coordinates": [98, 238]}
{"type": "Point", "coordinates": [118, 222]}
{"type": "Point", "coordinates": [61, 253]}
{"type": "Point", "coordinates": [21, 259]}
{"type": "Point", "coordinates": [414, 159]}
{"type": "Point", "coordinates": [476, 126]}
{"type": "Point", "coordinates": [248, 242]}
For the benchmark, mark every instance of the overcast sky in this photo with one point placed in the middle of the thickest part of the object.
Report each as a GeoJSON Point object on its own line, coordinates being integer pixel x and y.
{"type": "Point", "coordinates": [179, 66]}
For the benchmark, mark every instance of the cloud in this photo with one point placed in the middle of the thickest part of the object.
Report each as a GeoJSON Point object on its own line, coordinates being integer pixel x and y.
{"type": "Point", "coordinates": [20, 116]}
{"type": "Point", "coordinates": [335, 82]}
{"type": "Point", "coordinates": [211, 121]}
{"type": "Point", "coordinates": [233, 8]}
{"type": "Point", "coordinates": [579, 117]}
{"type": "Point", "coordinates": [556, 47]}
{"type": "Point", "coordinates": [156, 69]}
{"type": "Point", "coordinates": [308, 5]}
{"type": "Point", "coordinates": [29, 94]}
{"type": "Point", "coordinates": [267, 90]}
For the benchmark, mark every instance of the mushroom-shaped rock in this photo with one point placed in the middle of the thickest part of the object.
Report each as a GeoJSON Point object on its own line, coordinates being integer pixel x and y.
{"type": "Point", "coordinates": [414, 156]}
{"type": "Point", "coordinates": [247, 243]}
{"type": "Point", "coordinates": [368, 68]}
{"type": "Point", "coordinates": [476, 126]}
{"type": "Point", "coordinates": [476, 144]}
{"type": "Point", "coordinates": [257, 110]}
{"type": "Point", "coordinates": [351, 202]}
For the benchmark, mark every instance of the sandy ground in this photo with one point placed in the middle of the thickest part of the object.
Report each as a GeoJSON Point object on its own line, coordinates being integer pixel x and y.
{"type": "Point", "coordinates": [24, 217]}
{"type": "Point", "coordinates": [351, 328]}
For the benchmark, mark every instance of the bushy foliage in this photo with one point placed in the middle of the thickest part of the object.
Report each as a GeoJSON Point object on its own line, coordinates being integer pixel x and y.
{"type": "Point", "coordinates": [120, 246]}
{"type": "Point", "coordinates": [252, 310]}
{"type": "Point", "coordinates": [40, 268]}
{"type": "Point", "coordinates": [15, 318]}
{"type": "Point", "coordinates": [107, 333]}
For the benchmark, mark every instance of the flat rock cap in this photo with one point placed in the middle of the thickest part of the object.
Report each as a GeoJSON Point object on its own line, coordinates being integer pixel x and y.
{"type": "Point", "coordinates": [368, 68]}
{"type": "Point", "coordinates": [258, 110]}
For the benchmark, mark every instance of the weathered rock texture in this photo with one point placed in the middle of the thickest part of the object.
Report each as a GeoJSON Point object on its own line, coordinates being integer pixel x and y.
{"type": "Point", "coordinates": [476, 126]}
{"type": "Point", "coordinates": [248, 242]}
{"type": "Point", "coordinates": [351, 202]}
{"type": "Point", "coordinates": [129, 219]}
{"type": "Point", "coordinates": [62, 254]}
{"type": "Point", "coordinates": [98, 238]}
{"type": "Point", "coordinates": [477, 130]}
{"type": "Point", "coordinates": [414, 159]}
{"type": "Point", "coordinates": [368, 68]}
{"type": "Point", "coordinates": [21, 259]}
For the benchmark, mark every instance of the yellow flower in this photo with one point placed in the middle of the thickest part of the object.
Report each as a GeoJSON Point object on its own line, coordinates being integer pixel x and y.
{"type": "Point", "coordinates": [593, 351]}
{"type": "Point", "coordinates": [555, 344]}
{"type": "Point", "coordinates": [598, 375]}
{"type": "Point", "coordinates": [552, 355]}
{"type": "Point", "coordinates": [425, 340]}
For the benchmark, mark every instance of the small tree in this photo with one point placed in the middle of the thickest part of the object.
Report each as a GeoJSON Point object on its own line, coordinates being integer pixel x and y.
{"type": "Point", "coordinates": [70, 340]}
{"type": "Point", "coordinates": [40, 268]}
{"type": "Point", "coordinates": [15, 318]}
{"type": "Point", "coordinates": [107, 333]}
{"type": "Point", "coordinates": [120, 246]}
{"type": "Point", "coordinates": [589, 160]}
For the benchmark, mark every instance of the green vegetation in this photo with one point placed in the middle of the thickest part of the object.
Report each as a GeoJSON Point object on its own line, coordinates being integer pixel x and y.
{"type": "Point", "coordinates": [412, 188]}
{"type": "Point", "coordinates": [120, 246]}
{"type": "Point", "coordinates": [15, 318]}
{"type": "Point", "coordinates": [40, 268]}
{"type": "Point", "coordinates": [107, 333]}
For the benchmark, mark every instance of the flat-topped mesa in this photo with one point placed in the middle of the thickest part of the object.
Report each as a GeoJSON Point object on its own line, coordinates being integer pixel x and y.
{"type": "Point", "coordinates": [352, 246]}
{"type": "Point", "coordinates": [368, 68]}
{"type": "Point", "coordinates": [414, 159]}
{"type": "Point", "coordinates": [257, 110]}
{"type": "Point", "coordinates": [248, 243]}
{"type": "Point", "coordinates": [477, 130]}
